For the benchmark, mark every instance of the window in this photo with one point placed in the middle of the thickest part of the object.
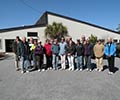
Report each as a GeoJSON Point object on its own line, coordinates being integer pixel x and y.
{"type": "Point", "coordinates": [32, 34]}
{"type": "Point", "coordinates": [0, 44]}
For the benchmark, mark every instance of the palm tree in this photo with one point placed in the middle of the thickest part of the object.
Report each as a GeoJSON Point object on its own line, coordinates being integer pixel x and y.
{"type": "Point", "coordinates": [56, 30]}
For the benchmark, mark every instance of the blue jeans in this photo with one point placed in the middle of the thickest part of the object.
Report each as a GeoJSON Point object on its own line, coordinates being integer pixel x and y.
{"type": "Point", "coordinates": [88, 62]}
{"type": "Point", "coordinates": [79, 62]}
{"type": "Point", "coordinates": [55, 61]}
{"type": "Point", "coordinates": [22, 62]}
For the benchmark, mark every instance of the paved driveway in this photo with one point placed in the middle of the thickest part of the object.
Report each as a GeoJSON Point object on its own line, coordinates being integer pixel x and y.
{"type": "Point", "coordinates": [57, 85]}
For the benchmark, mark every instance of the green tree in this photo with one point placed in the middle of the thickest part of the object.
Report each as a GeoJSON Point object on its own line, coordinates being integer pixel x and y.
{"type": "Point", "coordinates": [56, 30]}
{"type": "Point", "coordinates": [93, 39]}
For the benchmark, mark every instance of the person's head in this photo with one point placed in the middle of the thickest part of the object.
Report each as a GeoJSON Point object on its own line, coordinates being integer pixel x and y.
{"type": "Point", "coordinates": [78, 41]}
{"type": "Point", "coordinates": [87, 41]}
{"type": "Point", "coordinates": [99, 41]}
{"type": "Point", "coordinates": [23, 39]}
{"type": "Point", "coordinates": [31, 40]}
{"type": "Point", "coordinates": [35, 42]}
{"type": "Point", "coordinates": [109, 39]}
{"type": "Point", "coordinates": [51, 41]}
{"type": "Point", "coordinates": [69, 39]}
{"type": "Point", "coordinates": [55, 41]}
{"type": "Point", "coordinates": [62, 39]}
{"type": "Point", "coordinates": [83, 38]}
{"type": "Point", "coordinates": [39, 42]}
{"type": "Point", "coordinates": [17, 39]}
{"type": "Point", "coordinates": [47, 41]}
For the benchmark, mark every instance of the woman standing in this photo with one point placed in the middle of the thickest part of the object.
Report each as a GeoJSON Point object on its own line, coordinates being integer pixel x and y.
{"type": "Point", "coordinates": [70, 52]}
{"type": "Point", "coordinates": [39, 55]}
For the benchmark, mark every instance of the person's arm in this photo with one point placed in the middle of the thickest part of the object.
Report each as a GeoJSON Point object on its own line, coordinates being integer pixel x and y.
{"type": "Point", "coordinates": [106, 50]}
{"type": "Point", "coordinates": [113, 50]}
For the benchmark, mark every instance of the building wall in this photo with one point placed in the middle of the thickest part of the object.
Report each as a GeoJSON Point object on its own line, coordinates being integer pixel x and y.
{"type": "Point", "coordinates": [21, 33]}
{"type": "Point", "coordinates": [77, 29]}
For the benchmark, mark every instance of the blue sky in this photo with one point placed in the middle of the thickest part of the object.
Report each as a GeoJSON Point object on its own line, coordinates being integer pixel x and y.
{"type": "Point", "coordinates": [105, 13]}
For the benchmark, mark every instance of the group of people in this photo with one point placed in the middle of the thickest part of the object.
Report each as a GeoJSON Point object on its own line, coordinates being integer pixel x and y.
{"type": "Point", "coordinates": [76, 55]}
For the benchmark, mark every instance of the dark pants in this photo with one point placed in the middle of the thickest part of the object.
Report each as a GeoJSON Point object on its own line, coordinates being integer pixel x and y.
{"type": "Point", "coordinates": [111, 61]}
{"type": "Point", "coordinates": [49, 61]}
{"type": "Point", "coordinates": [88, 61]}
{"type": "Point", "coordinates": [39, 61]}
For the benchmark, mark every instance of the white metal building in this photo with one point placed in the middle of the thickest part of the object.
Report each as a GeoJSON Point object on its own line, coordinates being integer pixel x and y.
{"type": "Point", "coordinates": [75, 27]}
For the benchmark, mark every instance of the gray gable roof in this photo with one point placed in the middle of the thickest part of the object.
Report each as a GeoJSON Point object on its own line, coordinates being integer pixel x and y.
{"type": "Point", "coordinates": [43, 21]}
{"type": "Point", "coordinates": [20, 28]}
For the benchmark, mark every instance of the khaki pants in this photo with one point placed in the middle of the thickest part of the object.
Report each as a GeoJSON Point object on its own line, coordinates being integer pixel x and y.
{"type": "Point", "coordinates": [99, 63]}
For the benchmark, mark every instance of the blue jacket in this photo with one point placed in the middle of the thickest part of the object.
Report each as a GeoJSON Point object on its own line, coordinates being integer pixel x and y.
{"type": "Point", "coordinates": [55, 49]}
{"type": "Point", "coordinates": [110, 49]}
{"type": "Point", "coordinates": [62, 48]}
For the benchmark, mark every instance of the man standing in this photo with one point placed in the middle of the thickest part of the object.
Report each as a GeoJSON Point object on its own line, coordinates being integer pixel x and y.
{"type": "Point", "coordinates": [24, 55]}
{"type": "Point", "coordinates": [83, 41]}
{"type": "Point", "coordinates": [62, 52]}
{"type": "Point", "coordinates": [99, 53]}
{"type": "Point", "coordinates": [15, 50]}
{"type": "Point", "coordinates": [110, 52]}
{"type": "Point", "coordinates": [87, 54]}
{"type": "Point", "coordinates": [79, 53]}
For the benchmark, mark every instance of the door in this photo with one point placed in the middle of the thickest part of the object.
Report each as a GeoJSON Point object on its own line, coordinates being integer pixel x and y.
{"type": "Point", "coordinates": [8, 45]}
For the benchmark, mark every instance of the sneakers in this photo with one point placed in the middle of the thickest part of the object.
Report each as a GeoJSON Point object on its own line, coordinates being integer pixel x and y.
{"type": "Point", "coordinates": [90, 70]}
{"type": "Point", "coordinates": [96, 69]}
{"type": "Point", "coordinates": [22, 72]}
{"type": "Point", "coordinates": [50, 68]}
{"type": "Point", "coordinates": [77, 70]}
{"type": "Point", "coordinates": [43, 70]}
{"type": "Point", "coordinates": [99, 70]}
{"type": "Point", "coordinates": [110, 73]}
{"type": "Point", "coordinates": [87, 69]}
{"type": "Point", "coordinates": [39, 70]}
{"type": "Point", "coordinates": [27, 71]}
{"type": "Point", "coordinates": [81, 69]}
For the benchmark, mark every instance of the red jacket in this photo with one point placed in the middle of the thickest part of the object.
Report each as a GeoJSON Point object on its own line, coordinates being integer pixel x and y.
{"type": "Point", "coordinates": [47, 48]}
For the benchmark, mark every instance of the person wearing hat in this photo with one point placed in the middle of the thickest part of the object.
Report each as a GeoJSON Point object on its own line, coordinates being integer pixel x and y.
{"type": "Point", "coordinates": [99, 53]}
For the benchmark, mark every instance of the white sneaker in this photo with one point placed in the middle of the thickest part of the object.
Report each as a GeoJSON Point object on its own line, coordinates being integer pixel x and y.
{"type": "Point", "coordinates": [96, 69]}
{"type": "Point", "coordinates": [50, 68]}
{"type": "Point", "coordinates": [39, 70]}
{"type": "Point", "coordinates": [110, 73]}
{"type": "Point", "coordinates": [90, 70]}
{"type": "Point", "coordinates": [22, 72]}
{"type": "Point", "coordinates": [27, 71]}
{"type": "Point", "coordinates": [77, 70]}
{"type": "Point", "coordinates": [81, 69]}
{"type": "Point", "coordinates": [43, 70]}
{"type": "Point", "coordinates": [99, 70]}
{"type": "Point", "coordinates": [87, 69]}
